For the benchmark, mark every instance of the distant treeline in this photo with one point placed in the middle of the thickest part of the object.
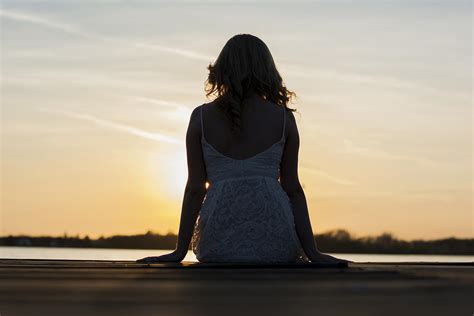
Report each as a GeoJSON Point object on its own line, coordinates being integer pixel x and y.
{"type": "Point", "coordinates": [337, 241]}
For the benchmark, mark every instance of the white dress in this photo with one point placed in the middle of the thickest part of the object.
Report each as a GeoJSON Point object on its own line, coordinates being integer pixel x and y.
{"type": "Point", "coordinates": [246, 216]}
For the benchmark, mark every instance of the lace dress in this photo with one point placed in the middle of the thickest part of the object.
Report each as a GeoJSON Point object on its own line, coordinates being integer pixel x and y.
{"type": "Point", "coordinates": [246, 216]}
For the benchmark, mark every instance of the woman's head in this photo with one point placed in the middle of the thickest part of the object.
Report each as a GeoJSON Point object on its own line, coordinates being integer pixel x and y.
{"type": "Point", "coordinates": [245, 66]}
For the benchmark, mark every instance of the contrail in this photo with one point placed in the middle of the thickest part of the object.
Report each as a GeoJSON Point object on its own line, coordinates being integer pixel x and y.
{"type": "Point", "coordinates": [34, 19]}
{"type": "Point", "coordinates": [328, 176]}
{"type": "Point", "coordinates": [378, 80]}
{"type": "Point", "coordinates": [176, 51]}
{"type": "Point", "coordinates": [164, 103]}
{"type": "Point", "coordinates": [17, 16]}
{"type": "Point", "coordinates": [116, 126]}
{"type": "Point", "coordinates": [352, 148]}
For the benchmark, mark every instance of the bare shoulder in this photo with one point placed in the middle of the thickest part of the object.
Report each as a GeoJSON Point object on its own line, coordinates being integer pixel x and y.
{"type": "Point", "coordinates": [205, 107]}
{"type": "Point", "coordinates": [195, 119]}
{"type": "Point", "coordinates": [196, 111]}
{"type": "Point", "coordinates": [291, 124]}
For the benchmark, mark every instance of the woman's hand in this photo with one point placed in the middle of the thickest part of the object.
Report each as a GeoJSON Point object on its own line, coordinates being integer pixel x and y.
{"type": "Point", "coordinates": [320, 257]}
{"type": "Point", "coordinates": [174, 256]}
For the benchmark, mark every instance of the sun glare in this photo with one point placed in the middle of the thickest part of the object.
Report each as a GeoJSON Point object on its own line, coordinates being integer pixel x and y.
{"type": "Point", "coordinates": [169, 173]}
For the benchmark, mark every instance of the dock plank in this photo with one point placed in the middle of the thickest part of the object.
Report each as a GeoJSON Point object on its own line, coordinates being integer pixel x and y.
{"type": "Point", "coordinates": [75, 287]}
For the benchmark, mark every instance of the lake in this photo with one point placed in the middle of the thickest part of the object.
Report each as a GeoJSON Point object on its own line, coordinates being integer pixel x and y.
{"type": "Point", "coordinates": [133, 254]}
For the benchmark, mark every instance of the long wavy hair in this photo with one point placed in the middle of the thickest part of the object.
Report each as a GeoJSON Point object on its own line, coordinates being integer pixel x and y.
{"type": "Point", "coordinates": [244, 66]}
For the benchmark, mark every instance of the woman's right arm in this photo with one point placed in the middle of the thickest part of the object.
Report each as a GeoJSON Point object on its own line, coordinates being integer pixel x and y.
{"type": "Point", "coordinates": [291, 185]}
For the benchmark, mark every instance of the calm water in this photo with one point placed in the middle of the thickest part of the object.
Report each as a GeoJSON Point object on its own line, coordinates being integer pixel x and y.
{"type": "Point", "coordinates": [133, 254]}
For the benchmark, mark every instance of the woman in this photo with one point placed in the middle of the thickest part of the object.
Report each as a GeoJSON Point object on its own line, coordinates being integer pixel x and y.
{"type": "Point", "coordinates": [245, 145]}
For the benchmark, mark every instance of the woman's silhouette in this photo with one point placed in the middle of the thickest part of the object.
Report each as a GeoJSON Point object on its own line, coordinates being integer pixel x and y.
{"type": "Point", "coordinates": [245, 145]}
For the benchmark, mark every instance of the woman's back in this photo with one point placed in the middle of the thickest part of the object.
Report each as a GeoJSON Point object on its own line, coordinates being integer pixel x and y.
{"type": "Point", "coordinates": [263, 124]}
{"type": "Point", "coordinates": [246, 215]}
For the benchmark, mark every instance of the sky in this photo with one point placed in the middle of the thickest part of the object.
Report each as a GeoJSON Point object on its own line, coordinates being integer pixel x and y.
{"type": "Point", "coordinates": [96, 98]}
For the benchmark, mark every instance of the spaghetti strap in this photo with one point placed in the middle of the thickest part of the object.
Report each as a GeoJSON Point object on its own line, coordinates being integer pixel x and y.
{"type": "Point", "coordinates": [202, 126]}
{"type": "Point", "coordinates": [284, 122]}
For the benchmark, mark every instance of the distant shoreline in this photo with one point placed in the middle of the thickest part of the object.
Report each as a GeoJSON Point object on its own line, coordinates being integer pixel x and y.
{"type": "Point", "coordinates": [337, 241]}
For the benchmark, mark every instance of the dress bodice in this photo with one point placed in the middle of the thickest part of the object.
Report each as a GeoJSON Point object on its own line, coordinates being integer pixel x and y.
{"type": "Point", "coordinates": [221, 167]}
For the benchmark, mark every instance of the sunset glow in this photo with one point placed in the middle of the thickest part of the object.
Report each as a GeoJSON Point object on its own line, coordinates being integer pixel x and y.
{"type": "Point", "coordinates": [95, 111]}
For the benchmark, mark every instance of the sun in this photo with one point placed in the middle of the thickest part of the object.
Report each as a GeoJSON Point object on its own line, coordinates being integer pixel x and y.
{"type": "Point", "coordinates": [168, 171]}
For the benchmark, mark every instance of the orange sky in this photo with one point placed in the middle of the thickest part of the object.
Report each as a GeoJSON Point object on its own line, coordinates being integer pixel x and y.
{"type": "Point", "coordinates": [94, 112]}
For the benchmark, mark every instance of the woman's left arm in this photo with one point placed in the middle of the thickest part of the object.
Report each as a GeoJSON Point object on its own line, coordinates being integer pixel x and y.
{"type": "Point", "coordinates": [195, 189]}
{"type": "Point", "coordinates": [194, 192]}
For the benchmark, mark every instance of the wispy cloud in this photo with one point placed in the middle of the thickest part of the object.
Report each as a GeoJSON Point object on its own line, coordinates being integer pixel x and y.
{"type": "Point", "coordinates": [174, 51]}
{"type": "Point", "coordinates": [369, 79]}
{"type": "Point", "coordinates": [164, 103]}
{"type": "Point", "coordinates": [34, 19]}
{"type": "Point", "coordinates": [352, 148]}
{"type": "Point", "coordinates": [290, 69]}
{"type": "Point", "coordinates": [74, 30]}
{"type": "Point", "coordinates": [131, 130]}
{"type": "Point", "coordinates": [328, 176]}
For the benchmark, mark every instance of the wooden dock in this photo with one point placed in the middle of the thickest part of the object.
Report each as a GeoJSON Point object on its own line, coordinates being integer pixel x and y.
{"type": "Point", "coordinates": [55, 287]}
